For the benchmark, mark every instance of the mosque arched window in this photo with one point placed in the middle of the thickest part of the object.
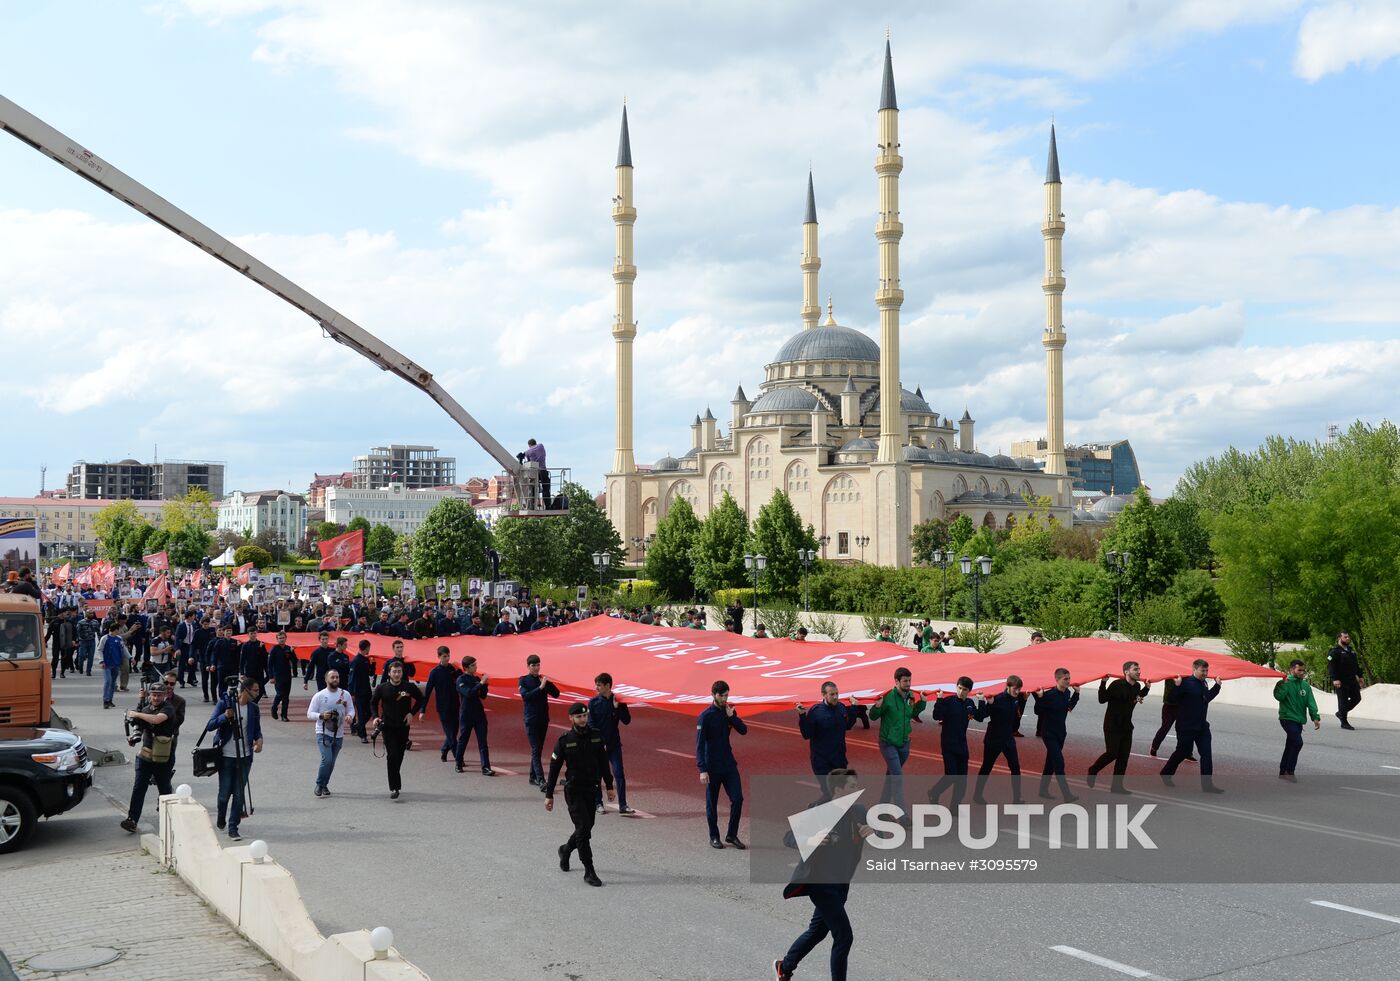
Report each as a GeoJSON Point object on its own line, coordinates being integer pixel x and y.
{"type": "Point", "coordinates": [760, 460]}
{"type": "Point", "coordinates": [842, 489]}
{"type": "Point", "coordinates": [798, 478]}
{"type": "Point", "coordinates": [721, 483]}
{"type": "Point", "coordinates": [682, 489]}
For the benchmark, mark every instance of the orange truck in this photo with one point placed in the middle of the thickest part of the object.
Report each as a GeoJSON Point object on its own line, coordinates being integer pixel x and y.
{"type": "Point", "coordinates": [26, 687]}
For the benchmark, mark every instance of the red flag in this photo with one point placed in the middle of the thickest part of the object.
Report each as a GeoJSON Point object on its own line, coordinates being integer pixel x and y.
{"type": "Point", "coordinates": [157, 561]}
{"type": "Point", "coordinates": [342, 550]}
{"type": "Point", "coordinates": [83, 578]}
{"type": "Point", "coordinates": [197, 578]}
{"type": "Point", "coordinates": [159, 589]}
{"type": "Point", "coordinates": [223, 586]}
{"type": "Point", "coordinates": [672, 669]}
{"type": "Point", "coordinates": [62, 573]}
{"type": "Point", "coordinates": [242, 573]}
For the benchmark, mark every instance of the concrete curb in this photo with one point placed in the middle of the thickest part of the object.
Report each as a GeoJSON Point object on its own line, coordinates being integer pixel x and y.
{"type": "Point", "coordinates": [262, 902]}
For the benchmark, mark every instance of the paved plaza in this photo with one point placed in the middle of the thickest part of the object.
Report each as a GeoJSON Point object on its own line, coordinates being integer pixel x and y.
{"type": "Point", "coordinates": [462, 867]}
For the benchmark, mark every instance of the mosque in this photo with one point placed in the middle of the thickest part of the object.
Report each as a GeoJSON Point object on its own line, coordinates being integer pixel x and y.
{"type": "Point", "coordinates": [806, 431]}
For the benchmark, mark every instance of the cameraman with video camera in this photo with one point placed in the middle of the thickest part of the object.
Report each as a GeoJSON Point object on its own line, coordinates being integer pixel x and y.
{"type": "Point", "coordinates": [393, 702]}
{"type": "Point", "coordinates": [154, 725]}
{"type": "Point", "coordinates": [237, 729]}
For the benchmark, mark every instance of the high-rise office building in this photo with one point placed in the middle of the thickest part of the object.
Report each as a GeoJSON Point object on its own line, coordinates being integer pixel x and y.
{"type": "Point", "coordinates": [415, 467]}
{"type": "Point", "coordinates": [135, 481]}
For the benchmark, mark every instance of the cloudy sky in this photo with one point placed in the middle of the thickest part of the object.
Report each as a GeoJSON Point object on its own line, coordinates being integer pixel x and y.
{"type": "Point", "coordinates": [441, 172]}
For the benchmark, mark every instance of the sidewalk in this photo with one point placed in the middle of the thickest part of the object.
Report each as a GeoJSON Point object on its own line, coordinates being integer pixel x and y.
{"type": "Point", "coordinates": [121, 900]}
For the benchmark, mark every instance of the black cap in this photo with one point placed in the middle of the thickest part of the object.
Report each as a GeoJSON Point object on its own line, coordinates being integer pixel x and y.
{"type": "Point", "coordinates": [578, 708]}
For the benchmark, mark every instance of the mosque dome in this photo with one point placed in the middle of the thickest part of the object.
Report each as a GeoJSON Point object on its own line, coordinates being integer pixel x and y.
{"type": "Point", "coordinates": [785, 400]}
{"type": "Point", "coordinates": [667, 462]}
{"type": "Point", "coordinates": [1112, 504]}
{"type": "Point", "coordinates": [917, 454]}
{"type": "Point", "coordinates": [908, 402]}
{"type": "Point", "coordinates": [829, 343]}
{"type": "Point", "coordinates": [1004, 461]}
{"type": "Point", "coordinates": [1026, 463]}
{"type": "Point", "coordinates": [860, 444]}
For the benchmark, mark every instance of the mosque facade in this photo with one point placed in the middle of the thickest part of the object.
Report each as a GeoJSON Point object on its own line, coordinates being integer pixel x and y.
{"type": "Point", "coordinates": [863, 459]}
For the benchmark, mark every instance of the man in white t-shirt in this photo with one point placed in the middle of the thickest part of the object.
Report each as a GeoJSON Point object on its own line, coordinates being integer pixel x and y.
{"type": "Point", "coordinates": [334, 710]}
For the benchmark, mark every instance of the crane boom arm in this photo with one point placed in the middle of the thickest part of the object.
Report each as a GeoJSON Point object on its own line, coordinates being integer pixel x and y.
{"type": "Point", "coordinates": [38, 134]}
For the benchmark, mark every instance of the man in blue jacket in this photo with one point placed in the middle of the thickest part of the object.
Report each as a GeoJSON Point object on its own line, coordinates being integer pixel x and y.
{"type": "Point", "coordinates": [606, 713]}
{"type": "Point", "coordinates": [238, 732]}
{"type": "Point", "coordinates": [442, 684]}
{"type": "Point", "coordinates": [535, 692]}
{"type": "Point", "coordinates": [471, 696]}
{"type": "Point", "coordinates": [715, 760]}
{"type": "Point", "coordinates": [318, 663]}
{"type": "Point", "coordinates": [824, 727]}
{"type": "Point", "coordinates": [1193, 699]}
{"type": "Point", "coordinates": [1052, 709]}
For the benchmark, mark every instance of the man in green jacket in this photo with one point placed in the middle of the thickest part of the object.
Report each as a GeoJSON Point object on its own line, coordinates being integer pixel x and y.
{"type": "Point", "coordinates": [896, 710]}
{"type": "Point", "coordinates": [1295, 704]}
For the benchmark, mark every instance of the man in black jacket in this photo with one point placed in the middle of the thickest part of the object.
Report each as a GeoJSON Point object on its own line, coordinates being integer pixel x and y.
{"type": "Point", "coordinates": [361, 686]}
{"type": "Point", "coordinates": [606, 713]}
{"type": "Point", "coordinates": [442, 683]}
{"type": "Point", "coordinates": [952, 713]}
{"type": "Point", "coordinates": [1052, 709]}
{"type": "Point", "coordinates": [1121, 697]}
{"type": "Point", "coordinates": [318, 663]}
{"type": "Point", "coordinates": [1344, 671]}
{"type": "Point", "coordinates": [393, 702]}
{"type": "Point", "coordinates": [581, 748]}
{"type": "Point", "coordinates": [1193, 699]}
{"type": "Point", "coordinates": [1001, 712]}
{"type": "Point", "coordinates": [471, 698]}
{"type": "Point", "coordinates": [281, 667]}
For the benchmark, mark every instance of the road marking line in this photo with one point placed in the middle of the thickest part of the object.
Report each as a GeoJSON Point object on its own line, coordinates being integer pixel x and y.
{"type": "Point", "coordinates": [1378, 793]}
{"type": "Point", "coordinates": [1282, 822]}
{"type": "Point", "coordinates": [1358, 912]}
{"type": "Point", "coordinates": [506, 773]}
{"type": "Point", "coordinates": [639, 813]}
{"type": "Point", "coordinates": [1387, 766]}
{"type": "Point", "coordinates": [1084, 955]}
{"type": "Point", "coordinates": [808, 783]}
{"type": "Point", "coordinates": [672, 752]}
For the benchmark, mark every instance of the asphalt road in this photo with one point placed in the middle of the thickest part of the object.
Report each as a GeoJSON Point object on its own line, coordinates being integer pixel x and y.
{"type": "Point", "coordinates": [463, 867]}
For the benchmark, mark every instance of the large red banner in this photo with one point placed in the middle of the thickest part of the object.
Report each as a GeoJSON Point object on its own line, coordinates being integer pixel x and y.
{"type": "Point", "coordinates": [673, 669]}
{"type": "Point", "coordinates": [342, 550]}
{"type": "Point", "coordinates": [157, 561]}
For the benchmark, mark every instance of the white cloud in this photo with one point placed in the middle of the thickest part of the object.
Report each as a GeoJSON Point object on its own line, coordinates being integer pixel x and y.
{"type": "Point", "coordinates": [512, 306]}
{"type": "Point", "coordinates": [1333, 37]}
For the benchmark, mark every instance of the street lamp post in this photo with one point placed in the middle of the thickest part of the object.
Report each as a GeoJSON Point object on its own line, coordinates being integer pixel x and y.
{"type": "Point", "coordinates": [806, 556]}
{"type": "Point", "coordinates": [755, 564]}
{"type": "Point", "coordinates": [600, 562]}
{"type": "Point", "coordinates": [641, 544]}
{"type": "Point", "coordinates": [943, 559]}
{"type": "Point", "coordinates": [1118, 565]}
{"type": "Point", "coordinates": [861, 542]}
{"type": "Point", "coordinates": [978, 570]}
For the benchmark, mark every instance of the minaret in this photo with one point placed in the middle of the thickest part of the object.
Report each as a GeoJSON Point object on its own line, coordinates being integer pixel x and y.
{"type": "Point", "coordinates": [1053, 231]}
{"type": "Point", "coordinates": [889, 297]}
{"type": "Point", "coordinates": [624, 327]}
{"type": "Point", "coordinates": [811, 261]}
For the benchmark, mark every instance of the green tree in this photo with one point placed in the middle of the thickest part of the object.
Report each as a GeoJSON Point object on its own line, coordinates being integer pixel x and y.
{"type": "Point", "coordinates": [158, 540]}
{"type": "Point", "coordinates": [450, 542]}
{"type": "Point", "coordinates": [134, 542]}
{"type": "Point", "coordinates": [530, 549]}
{"type": "Point", "coordinates": [189, 547]}
{"type": "Point", "coordinates": [668, 562]}
{"type": "Point", "coordinates": [260, 557]}
{"type": "Point", "coordinates": [195, 509]}
{"type": "Point", "coordinates": [960, 530]}
{"type": "Point", "coordinates": [778, 533]}
{"type": "Point", "coordinates": [718, 555]}
{"type": "Point", "coordinates": [1156, 557]}
{"type": "Point", "coordinates": [1196, 591]}
{"type": "Point", "coordinates": [1161, 620]}
{"type": "Point", "coordinates": [928, 536]}
{"type": "Point", "coordinates": [359, 523]}
{"type": "Point", "coordinates": [326, 530]}
{"type": "Point", "coordinates": [584, 530]}
{"type": "Point", "coordinates": [110, 527]}
{"type": "Point", "coordinates": [379, 544]}
{"type": "Point", "coordinates": [1181, 517]}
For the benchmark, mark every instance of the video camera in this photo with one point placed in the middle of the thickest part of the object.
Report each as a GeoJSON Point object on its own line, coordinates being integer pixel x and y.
{"type": "Point", "coordinates": [135, 728]}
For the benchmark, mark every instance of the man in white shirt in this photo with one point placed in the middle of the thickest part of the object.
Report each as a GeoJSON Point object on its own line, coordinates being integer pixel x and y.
{"type": "Point", "coordinates": [333, 709]}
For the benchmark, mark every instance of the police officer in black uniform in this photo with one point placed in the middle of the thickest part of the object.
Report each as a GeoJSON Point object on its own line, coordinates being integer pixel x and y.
{"type": "Point", "coordinates": [1344, 671]}
{"type": "Point", "coordinates": [582, 749]}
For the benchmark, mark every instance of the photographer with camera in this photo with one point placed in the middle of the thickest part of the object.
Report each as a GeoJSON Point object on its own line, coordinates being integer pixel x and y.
{"type": "Point", "coordinates": [154, 724]}
{"type": "Point", "coordinates": [330, 707]}
{"type": "Point", "coordinates": [237, 731]}
{"type": "Point", "coordinates": [393, 702]}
